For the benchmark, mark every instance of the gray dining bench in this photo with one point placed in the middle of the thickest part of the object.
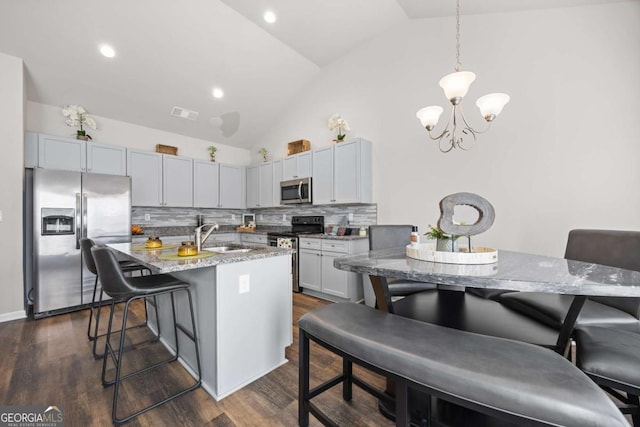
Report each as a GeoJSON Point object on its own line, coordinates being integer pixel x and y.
{"type": "Point", "coordinates": [511, 380]}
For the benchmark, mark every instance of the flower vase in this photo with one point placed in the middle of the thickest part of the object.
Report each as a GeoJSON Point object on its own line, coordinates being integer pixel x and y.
{"type": "Point", "coordinates": [213, 157]}
{"type": "Point", "coordinates": [82, 137]}
{"type": "Point", "coordinates": [447, 245]}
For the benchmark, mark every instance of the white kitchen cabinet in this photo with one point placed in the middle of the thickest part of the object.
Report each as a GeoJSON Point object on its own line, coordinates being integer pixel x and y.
{"type": "Point", "coordinates": [253, 238]}
{"type": "Point", "coordinates": [30, 150]}
{"type": "Point", "coordinates": [277, 178]}
{"type": "Point", "coordinates": [177, 181]}
{"type": "Point", "coordinates": [206, 184]}
{"type": "Point", "coordinates": [323, 192]}
{"type": "Point", "coordinates": [160, 179]}
{"type": "Point", "coordinates": [55, 152]}
{"type": "Point", "coordinates": [298, 166]}
{"type": "Point", "coordinates": [232, 187]}
{"type": "Point", "coordinates": [145, 170]}
{"type": "Point", "coordinates": [108, 159]}
{"type": "Point", "coordinates": [260, 185]}
{"type": "Point", "coordinates": [318, 276]}
{"type": "Point", "coordinates": [342, 173]}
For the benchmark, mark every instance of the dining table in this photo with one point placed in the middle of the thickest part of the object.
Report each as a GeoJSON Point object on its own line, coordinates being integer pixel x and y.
{"type": "Point", "coordinates": [513, 271]}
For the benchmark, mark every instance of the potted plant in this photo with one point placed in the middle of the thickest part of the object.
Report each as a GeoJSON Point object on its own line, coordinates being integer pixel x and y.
{"type": "Point", "coordinates": [338, 123]}
{"type": "Point", "coordinates": [264, 153]}
{"type": "Point", "coordinates": [212, 152]}
{"type": "Point", "coordinates": [77, 117]}
{"type": "Point", "coordinates": [444, 242]}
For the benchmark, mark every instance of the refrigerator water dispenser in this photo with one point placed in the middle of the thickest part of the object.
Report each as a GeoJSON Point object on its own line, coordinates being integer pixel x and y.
{"type": "Point", "coordinates": [57, 221]}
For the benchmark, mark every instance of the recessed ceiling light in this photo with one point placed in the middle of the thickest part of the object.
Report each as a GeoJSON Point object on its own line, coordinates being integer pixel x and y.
{"type": "Point", "coordinates": [107, 51]}
{"type": "Point", "coordinates": [217, 93]}
{"type": "Point", "coordinates": [270, 17]}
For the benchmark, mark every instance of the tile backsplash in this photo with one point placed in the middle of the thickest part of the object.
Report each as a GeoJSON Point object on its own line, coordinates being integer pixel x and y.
{"type": "Point", "coordinates": [363, 215]}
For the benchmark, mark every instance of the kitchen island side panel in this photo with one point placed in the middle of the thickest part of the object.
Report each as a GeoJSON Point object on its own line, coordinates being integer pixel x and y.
{"type": "Point", "coordinates": [242, 335]}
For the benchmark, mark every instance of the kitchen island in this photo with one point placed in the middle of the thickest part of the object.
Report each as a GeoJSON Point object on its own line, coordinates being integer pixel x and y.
{"type": "Point", "coordinates": [243, 305]}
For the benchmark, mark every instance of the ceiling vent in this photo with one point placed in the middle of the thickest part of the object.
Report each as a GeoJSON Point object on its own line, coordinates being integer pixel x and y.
{"type": "Point", "coordinates": [183, 113]}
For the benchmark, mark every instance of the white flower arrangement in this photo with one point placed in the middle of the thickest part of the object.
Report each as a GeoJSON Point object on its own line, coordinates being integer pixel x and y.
{"type": "Point", "coordinates": [77, 116]}
{"type": "Point", "coordinates": [338, 123]}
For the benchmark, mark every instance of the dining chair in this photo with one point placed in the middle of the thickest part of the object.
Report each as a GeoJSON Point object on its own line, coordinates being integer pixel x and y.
{"type": "Point", "coordinates": [385, 237]}
{"type": "Point", "coordinates": [619, 249]}
{"type": "Point", "coordinates": [610, 356]}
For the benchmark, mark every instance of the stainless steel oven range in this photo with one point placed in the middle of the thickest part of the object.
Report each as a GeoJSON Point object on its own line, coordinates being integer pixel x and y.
{"type": "Point", "coordinates": [299, 225]}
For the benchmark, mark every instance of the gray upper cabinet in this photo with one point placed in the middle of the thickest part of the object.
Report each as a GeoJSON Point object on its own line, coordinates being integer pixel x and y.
{"type": "Point", "coordinates": [62, 153]}
{"type": "Point", "coordinates": [177, 181]}
{"type": "Point", "coordinates": [108, 159]}
{"type": "Point", "coordinates": [232, 190]}
{"type": "Point", "coordinates": [253, 187]}
{"type": "Point", "coordinates": [323, 176]}
{"type": "Point", "coordinates": [277, 178]}
{"type": "Point", "coordinates": [30, 150]}
{"type": "Point", "coordinates": [160, 179]}
{"type": "Point", "coordinates": [55, 152]}
{"type": "Point", "coordinates": [297, 166]}
{"type": "Point", "coordinates": [145, 170]}
{"type": "Point", "coordinates": [206, 184]}
{"type": "Point", "coordinates": [342, 173]}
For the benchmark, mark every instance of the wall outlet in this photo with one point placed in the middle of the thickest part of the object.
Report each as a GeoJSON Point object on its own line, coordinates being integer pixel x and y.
{"type": "Point", "coordinates": [284, 217]}
{"type": "Point", "coordinates": [233, 217]}
{"type": "Point", "coordinates": [244, 283]}
{"type": "Point", "coordinates": [350, 216]}
{"type": "Point", "coordinates": [147, 217]}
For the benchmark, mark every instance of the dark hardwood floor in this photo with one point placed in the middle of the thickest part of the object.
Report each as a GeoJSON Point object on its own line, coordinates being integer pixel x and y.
{"type": "Point", "coordinates": [49, 362]}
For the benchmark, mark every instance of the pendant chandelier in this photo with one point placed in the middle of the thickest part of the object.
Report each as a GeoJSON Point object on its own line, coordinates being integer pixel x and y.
{"type": "Point", "coordinates": [455, 86]}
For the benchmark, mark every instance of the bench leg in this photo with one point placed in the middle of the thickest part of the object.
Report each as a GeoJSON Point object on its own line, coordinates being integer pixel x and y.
{"type": "Point", "coordinates": [347, 384]}
{"type": "Point", "coordinates": [303, 380]}
{"type": "Point", "coordinates": [402, 403]}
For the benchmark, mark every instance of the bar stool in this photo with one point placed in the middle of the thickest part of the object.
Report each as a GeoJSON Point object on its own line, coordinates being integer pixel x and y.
{"type": "Point", "coordinates": [95, 307]}
{"type": "Point", "coordinates": [121, 288]}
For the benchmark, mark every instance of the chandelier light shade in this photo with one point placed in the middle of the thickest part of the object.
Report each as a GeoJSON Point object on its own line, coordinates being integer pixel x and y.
{"type": "Point", "coordinates": [455, 86]}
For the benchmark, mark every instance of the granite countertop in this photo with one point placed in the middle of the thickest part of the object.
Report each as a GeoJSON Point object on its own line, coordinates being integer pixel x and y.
{"type": "Point", "coordinates": [149, 258]}
{"type": "Point", "coordinates": [513, 271]}
{"type": "Point", "coordinates": [190, 230]}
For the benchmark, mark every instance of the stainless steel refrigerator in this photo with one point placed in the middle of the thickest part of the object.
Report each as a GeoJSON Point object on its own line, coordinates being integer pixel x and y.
{"type": "Point", "coordinates": [66, 207]}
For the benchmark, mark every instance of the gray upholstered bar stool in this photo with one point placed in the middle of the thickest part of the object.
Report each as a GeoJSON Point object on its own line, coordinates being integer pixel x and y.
{"type": "Point", "coordinates": [95, 307]}
{"type": "Point", "coordinates": [121, 288]}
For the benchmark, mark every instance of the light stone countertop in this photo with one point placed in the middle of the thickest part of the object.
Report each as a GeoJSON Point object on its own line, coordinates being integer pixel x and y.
{"type": "Point", "coordinates": [332, 237]}
{"type": "Point", "coordinates": [150, 258]}
{"type": "Point", "coordinates": [513, 271]}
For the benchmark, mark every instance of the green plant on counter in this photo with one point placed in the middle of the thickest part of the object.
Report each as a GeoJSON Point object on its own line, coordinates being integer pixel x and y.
{"type": "Point", "coordinates": [212, 150]}
{"type": "Point", "coordinates": [435, 233]}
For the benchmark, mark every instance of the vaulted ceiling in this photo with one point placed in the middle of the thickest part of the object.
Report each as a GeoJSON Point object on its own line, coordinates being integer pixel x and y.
{"type": "Point", "coordinates": [171, 53]}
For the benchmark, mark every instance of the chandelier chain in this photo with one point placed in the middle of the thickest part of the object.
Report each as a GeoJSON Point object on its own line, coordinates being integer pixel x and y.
{"type": "Point", "coordinates": [458, 62]}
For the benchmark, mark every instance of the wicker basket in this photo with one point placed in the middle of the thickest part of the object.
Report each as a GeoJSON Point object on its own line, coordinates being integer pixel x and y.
{"type": "Point", "coordinates": [166, 149]}
{"type": "Point", "coordinates": [296, 147]}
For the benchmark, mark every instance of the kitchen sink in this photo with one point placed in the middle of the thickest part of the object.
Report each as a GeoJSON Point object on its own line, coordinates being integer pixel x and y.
{"type": "Point", "coordinates": [226, 249]}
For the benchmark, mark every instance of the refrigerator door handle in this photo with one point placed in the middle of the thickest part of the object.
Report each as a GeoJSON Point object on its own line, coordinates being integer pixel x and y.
{"type": "Point", "coordinates": [78, 208]}
{"type": "Point", "coordinates": [84, 215]}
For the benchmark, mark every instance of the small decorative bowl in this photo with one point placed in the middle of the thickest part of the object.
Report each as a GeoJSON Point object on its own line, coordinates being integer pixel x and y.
{"type": "Point", "coordinates": [153, 242]}
{"type": "Point", "coordinates": [188, 248]}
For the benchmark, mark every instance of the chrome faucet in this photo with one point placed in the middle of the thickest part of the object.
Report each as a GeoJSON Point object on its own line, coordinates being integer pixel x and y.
{"type": "Point", "coordinates": [200, 238]}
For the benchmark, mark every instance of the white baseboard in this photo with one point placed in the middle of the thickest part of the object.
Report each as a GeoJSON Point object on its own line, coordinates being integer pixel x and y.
{"type": "Point", "coordinates": [6, 317]}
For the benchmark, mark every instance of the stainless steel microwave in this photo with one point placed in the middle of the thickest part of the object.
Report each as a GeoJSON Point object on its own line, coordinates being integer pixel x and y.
{"type": "Point", "coordinates": [295, 191]}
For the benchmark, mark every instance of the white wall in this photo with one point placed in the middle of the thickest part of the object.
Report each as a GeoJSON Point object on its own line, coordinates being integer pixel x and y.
{"type": "Point", "coordinates": [11, 179]}
{"type": "Point", "coordinates": [564, 154]}
{"type": "Point", "coordinates": [49, 119]}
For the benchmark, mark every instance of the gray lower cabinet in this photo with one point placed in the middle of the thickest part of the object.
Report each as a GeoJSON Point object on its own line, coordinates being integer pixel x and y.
{"type": "Point", "coordinates": [318, 276]}
{"type": "Point", "coordinates": [253, 238]}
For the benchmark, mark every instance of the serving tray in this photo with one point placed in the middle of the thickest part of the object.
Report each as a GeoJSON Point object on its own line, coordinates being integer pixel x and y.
{"type": "Point", "coordinates": [478, 255]}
